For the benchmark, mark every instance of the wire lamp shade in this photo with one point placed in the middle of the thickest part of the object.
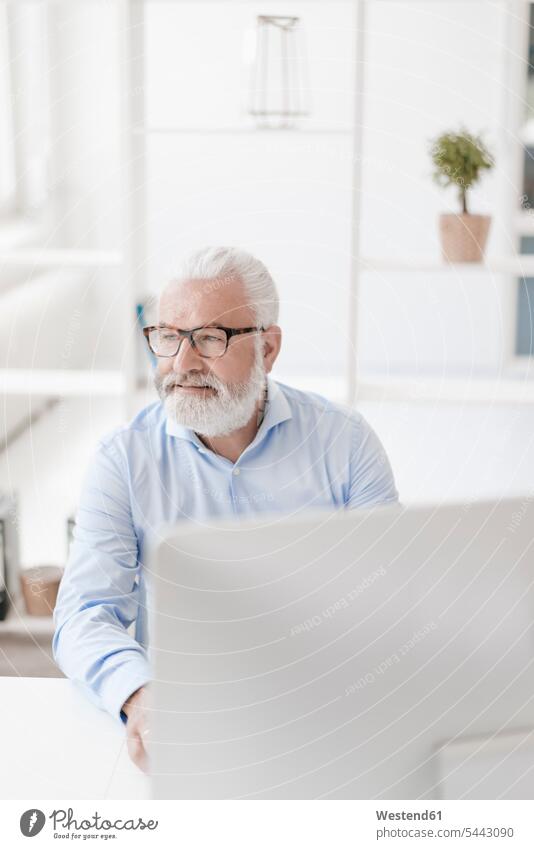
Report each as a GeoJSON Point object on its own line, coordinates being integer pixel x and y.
{"type": "Point", "coordinates": [279, 79]}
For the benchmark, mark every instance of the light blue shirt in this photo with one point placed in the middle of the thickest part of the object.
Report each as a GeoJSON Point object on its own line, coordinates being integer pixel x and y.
{"type": "Point", "coordinates": [307, 453]}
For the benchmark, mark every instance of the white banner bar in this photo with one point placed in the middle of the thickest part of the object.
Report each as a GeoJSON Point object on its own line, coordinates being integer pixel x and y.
{"type": "Point", "coordinates": [270, 825]}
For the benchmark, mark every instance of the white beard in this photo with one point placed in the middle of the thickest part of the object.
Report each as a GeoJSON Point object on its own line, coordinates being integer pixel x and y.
{"type": "Point", "coordinates": [229, 409]}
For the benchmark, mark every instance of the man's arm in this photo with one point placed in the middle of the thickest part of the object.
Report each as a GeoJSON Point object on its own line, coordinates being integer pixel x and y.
{"type": "Point", "coordinates": [99, 594]}
{"type": "Point", "coordinates": [371, 476]}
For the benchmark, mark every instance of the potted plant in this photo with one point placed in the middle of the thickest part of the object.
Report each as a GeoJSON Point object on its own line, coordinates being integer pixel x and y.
{"type": "Point", "coordinates": [459, 160]}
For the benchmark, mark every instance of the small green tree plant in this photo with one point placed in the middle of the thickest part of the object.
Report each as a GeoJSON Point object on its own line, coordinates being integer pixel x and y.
{"type": "Point", "coordinates": [459, 159]}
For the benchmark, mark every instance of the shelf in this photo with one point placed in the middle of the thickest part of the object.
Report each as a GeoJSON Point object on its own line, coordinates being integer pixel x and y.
{"type": "Point", "coordinates": [61, 259]}
{"type": "Point", "coordinates": [521, 265]}
{"type": "Point", "coordinates": [461, 390]}
{"type": "Point", "coordinates": [62, 382]}
{"type": "Point", "coordinates": [20, 623]}
{"type": "Point", "coordinates": [239, 131]}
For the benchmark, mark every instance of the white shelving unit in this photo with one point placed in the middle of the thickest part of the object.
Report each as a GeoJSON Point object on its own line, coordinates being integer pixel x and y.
{"type": "Point", "coordinates": [127, 259]}
{"type": "Point", "coordinates": [130, 257]}
{"type": "Point", "coordinates": [499, 389]}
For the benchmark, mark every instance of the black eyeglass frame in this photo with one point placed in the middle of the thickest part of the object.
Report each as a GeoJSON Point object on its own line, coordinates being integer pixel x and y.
{"type": "Point", "coordinates": [188, 334]}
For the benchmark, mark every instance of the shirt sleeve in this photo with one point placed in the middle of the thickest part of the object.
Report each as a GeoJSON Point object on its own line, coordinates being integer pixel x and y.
{"type": "Point", "coordinates": [371, 476]}
{"type": "Point", "coordinates": [99, 594]}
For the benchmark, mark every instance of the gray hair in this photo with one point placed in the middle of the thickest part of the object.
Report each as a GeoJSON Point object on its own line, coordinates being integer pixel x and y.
{"type": "Point", "coordinates": [220, 263]}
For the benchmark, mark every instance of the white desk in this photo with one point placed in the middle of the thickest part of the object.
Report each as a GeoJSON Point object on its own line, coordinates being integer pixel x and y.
{"type": "Point", "coordinates": [57, 744]}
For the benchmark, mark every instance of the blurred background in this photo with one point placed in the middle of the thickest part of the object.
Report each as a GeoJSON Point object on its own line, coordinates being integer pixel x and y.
{"type": "Point", "coordinates": [133, 132]}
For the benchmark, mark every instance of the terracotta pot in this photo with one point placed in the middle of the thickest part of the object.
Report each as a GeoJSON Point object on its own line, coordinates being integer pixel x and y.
{"type": "Point", "coordinates": [40, 586]}
{"type": "Point", "coordinates": [463, 237]}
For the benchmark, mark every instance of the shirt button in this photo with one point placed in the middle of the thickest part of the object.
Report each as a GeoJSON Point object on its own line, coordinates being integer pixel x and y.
{"type": "Point", "coordinates": [237, 471]}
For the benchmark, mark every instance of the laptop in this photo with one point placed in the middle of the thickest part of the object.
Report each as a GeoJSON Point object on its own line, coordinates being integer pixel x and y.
{"type": "Point", "coordinates": [370, 654]}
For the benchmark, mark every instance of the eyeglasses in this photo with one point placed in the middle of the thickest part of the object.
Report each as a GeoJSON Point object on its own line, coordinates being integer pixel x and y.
{"type": "Point", "coordinates": [208, 342]}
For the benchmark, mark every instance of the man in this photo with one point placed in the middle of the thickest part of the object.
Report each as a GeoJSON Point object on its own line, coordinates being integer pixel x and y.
{"type": "Point", "coordinates": [225, 439]}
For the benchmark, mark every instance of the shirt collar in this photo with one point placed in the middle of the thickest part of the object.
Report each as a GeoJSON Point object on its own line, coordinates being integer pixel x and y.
{"type": "Point", "coordinates": [278, 410]}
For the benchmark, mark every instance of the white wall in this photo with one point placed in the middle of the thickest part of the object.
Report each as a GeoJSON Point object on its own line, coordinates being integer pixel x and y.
{"type": "Point", "coordinates": [457, 452]}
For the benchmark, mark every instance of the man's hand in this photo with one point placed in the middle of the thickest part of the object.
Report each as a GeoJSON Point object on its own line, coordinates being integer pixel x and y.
{"type": "Point", "coordinates": [137, 728]}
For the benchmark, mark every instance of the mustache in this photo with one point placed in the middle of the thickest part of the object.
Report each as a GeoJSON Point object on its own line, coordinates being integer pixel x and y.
{"type": "Point", "coordinates": [170, 381]}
